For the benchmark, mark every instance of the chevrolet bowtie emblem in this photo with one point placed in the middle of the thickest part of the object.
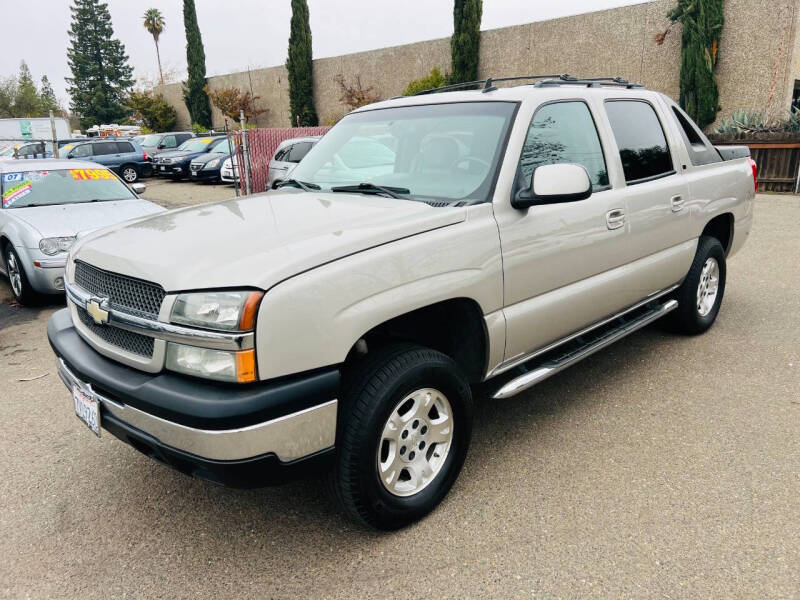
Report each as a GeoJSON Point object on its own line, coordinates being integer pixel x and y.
{"type": "Point", "coordinates": [94, 306]}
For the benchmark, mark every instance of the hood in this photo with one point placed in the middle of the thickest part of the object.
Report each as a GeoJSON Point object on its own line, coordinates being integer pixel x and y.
{"type": "Point", "coordinates": [179, 154]}
{"type": "Point", "coordinates": [256, 241]}
{"type": "Point", "coordinates": [71, 219]}
{"type": "Point", "coordinates": [207, 156]}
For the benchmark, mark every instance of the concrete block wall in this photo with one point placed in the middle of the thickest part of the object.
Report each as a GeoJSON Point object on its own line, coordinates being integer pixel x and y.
{"type": "Point", "coordinates": [760, 45]}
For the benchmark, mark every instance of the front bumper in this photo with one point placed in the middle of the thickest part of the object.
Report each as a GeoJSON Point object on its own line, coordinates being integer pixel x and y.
{"type": "Point", "coordinates": [176, 170]}
{"type": "Point", "coordinates": [46, 274]}
{"type": "Point", "coordinates": [241, 436]}
{"type": "Point", "coordinates": [205, 175]}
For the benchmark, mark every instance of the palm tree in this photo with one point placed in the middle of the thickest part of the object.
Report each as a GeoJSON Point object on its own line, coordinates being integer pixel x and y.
{"type": "Point", "coordinates": [154, 23]}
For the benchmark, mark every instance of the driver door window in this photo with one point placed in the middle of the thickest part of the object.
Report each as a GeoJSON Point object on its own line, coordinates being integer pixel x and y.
{"type": "Point", "coordinates": [564, 132]}
{"type": "Point", "coordinates": [83, 151]}
{"type": "Point", "coordinates": [169, 141]}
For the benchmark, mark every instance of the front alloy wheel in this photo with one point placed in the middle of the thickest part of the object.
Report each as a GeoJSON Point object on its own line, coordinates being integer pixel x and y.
{"type": "Point", "coordinates": [405, 421]}
{"type": "Point", "coordinates": [415, 442]}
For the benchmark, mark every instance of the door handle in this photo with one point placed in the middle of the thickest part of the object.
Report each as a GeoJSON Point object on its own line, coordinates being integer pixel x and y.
{"type": "Point", "coordinates": [615, 218]}
{"type": "Point", "coordinates": [677, 203]}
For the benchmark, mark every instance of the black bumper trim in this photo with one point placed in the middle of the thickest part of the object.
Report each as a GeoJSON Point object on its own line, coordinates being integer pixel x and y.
{"type": "Point", "coordinates": [186, 400]}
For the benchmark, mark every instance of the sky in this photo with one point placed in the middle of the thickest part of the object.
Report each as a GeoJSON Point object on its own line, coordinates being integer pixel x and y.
{"type": "Point", "coordinates": [242, 34]}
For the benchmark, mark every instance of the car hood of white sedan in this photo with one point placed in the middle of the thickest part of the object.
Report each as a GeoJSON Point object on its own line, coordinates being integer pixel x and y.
{"type": "Point", "coordinates": [256, 241]}
{"type": "Point", "coordinates": [71, 219]}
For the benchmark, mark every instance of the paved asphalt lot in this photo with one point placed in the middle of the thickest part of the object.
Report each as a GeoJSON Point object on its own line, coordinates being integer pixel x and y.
{"type": "Point", "coordinates": [663, 467]}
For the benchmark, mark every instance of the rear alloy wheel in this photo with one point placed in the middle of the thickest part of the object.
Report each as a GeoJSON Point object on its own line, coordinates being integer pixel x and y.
{"type": "Point", "coordinates": [700, 295]}
{"type": "Point", "coordinates": [404, 428]}
{"type": "Point", "coordinates": [20, 286]}
{"type": "Point", "coordinates": [130, 174]}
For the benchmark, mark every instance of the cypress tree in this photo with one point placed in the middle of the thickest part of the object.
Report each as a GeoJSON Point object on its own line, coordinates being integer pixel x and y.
{"type": "Point", "coordinates": [101, 75]}
{"type": "Point", "coordinates": [702, 22]}
{"type": "Point", "coordinates": [300, 67]}
{"type": "Point", "coordinates": [465, 43]}
{"type": "Point", "coordinates": [193, 93]}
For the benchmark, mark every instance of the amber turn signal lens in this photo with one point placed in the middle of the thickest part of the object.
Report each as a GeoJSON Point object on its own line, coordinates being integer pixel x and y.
{"type": "Point", "coordinates": [246, 366]}
{"type": "Point", "coordinates": [248, 319]}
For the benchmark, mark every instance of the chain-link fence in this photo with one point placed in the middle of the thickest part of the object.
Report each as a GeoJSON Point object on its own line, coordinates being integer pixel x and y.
{"type": "Point", "coordinates": [261, 145]}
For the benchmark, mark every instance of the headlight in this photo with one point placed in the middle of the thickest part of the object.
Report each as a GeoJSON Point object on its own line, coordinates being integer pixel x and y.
{"type": "Point", "coordinates": [211, 164]}
{"type": "Point", "coordinates": [166, 161]}
{"type": "Point", "coordinates": [237, 367]}
{"type": "Point", "coordinates": [226, 311]}
{"type": "Point", "coordinates": [54, 245]}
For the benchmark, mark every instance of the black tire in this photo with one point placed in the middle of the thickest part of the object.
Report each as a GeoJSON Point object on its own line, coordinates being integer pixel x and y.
{"type": "Point", "coordinates": [23, 291]}
{"type": "Point", "coordinates": [370, 394]}
{"type": "Point", "coordinates": [687, 318]}
{"type": "Point", "coordinates": [129, 173]}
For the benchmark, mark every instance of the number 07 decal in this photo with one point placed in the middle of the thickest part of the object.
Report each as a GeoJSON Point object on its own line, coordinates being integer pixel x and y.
{"type": "Point", "coordinates": [90, 174]}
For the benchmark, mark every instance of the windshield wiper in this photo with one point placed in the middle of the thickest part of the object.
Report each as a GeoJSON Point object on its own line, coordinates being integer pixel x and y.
{"type": "Point", "coordinates": [371, 188]}
{"type": "Point", "coordinates": [306, 187]}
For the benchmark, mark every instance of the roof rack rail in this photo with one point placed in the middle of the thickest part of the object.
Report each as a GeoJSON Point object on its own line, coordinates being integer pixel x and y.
{"type": "Point", "coordinates": [546, 80]}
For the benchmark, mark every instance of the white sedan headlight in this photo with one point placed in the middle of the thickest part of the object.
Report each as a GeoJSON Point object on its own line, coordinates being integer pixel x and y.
{"type": "Point", "coordinates": [55, 245]}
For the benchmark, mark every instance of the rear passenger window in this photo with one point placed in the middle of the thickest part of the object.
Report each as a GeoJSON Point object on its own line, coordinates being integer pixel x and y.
{"type": "Point", "coordinates": [299, 151]}
{"type": "Point", "coordinates": [125, 147]}
{"type": "Point", "coordinates": [105, 148]}
{"type": "Point", "coordinates": [700, 150]}
{"type": "Point", "coordinates": [640, 139]}
{"type": "Point", "coordinates": [564, 132]}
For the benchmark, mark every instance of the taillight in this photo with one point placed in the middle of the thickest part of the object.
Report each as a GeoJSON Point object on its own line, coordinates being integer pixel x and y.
{"type": "Point", "coordinates": [754, 166]}
{"type": "Point", "coordinates": [145, 157]}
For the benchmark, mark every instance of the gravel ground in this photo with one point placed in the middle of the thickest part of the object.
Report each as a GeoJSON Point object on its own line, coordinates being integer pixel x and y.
{"type": "Point", "coordinates": [663, 467]}
{"type": "Point", "coordinates": [174, 194]}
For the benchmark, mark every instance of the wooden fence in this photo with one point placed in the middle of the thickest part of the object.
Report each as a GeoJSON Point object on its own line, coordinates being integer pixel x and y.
{"type": "Point", "coordinates": [778, 161]}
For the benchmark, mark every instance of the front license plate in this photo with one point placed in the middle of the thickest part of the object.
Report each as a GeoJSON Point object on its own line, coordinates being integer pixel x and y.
{"type": "Point", "coordinates": [87, 409]}
{"type": "Point", "coordinates": [163, 168]}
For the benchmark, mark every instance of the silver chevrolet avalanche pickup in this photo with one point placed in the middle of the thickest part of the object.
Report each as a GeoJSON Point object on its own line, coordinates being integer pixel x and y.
{"type": "Point", "coordinates": [425, 244]}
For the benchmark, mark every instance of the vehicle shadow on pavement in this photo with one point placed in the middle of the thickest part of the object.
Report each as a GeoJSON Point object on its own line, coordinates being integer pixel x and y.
{"type": "Point", "coordinates": [289, 516]}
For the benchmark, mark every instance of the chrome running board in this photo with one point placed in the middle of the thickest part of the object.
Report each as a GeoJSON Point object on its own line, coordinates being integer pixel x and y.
{"type": "Point", "coordinates": [580, 348]}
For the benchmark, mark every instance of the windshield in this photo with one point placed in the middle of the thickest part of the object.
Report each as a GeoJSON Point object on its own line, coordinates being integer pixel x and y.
{"type": "Point", "coordinates": [222, 146]}
{"type": "Point", "coordinates": [437, 151]}
{"type": "Point", "coordinates": [67, 186]}
{"type": "Point", "coordinates": [151, 140]}
{"type": "Point", "coordinates": [196, 144]}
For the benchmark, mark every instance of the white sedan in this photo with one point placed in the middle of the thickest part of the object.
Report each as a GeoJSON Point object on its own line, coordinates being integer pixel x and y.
{"type": "Point", "coordinates": [46, 204]}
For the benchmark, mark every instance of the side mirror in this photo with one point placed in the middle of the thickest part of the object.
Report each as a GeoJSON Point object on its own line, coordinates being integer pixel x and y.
{"type": "Point", "coordinates": [138, 188]}
{"type": "Point", "coordinates": [552, 184]}
{"type": "Point", "coordinates": [70, 155]}
{"type": "Point", "coordinates": [161, 146]}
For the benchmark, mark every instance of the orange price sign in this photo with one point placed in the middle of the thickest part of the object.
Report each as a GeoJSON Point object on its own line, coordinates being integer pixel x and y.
{"type": "Point", "coordinates": [90, 174]}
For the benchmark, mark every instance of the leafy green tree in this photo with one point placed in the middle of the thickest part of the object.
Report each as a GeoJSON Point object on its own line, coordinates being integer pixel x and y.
{"type": "Point", "coordinates": [26, 101]}
{"type": "Point", "coordinates": [47, 98]}
{"type": "Point", "coordinates": [193, 90]}
{"type": "Point", "coordinates": [152, 110]}
{"type": "Point", "coordinates": [434, 79]}
{"type": "Point", "coordinates": [703, 21]}
{"type": "Point", "coordinates": [154, 24]}
{"type": "Point", "coordinates": [465, 43]}
{"type": "Point", "coordinates": [101, 75]}
{"type": "Point", "coordinates": [300, 67]}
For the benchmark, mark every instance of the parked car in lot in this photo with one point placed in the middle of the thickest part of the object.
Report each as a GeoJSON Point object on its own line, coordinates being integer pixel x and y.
{"type": "Point", "coordinates": [287, 156]}
{"type": "Point", "coordinates": [124, 157]}
{"type": "Point", "coordinates": [28, 150]}
{"type": "Point", "coordinates": [207, 167]}
{"type": "Point", "coordinates": [229, 173]}
{"type": "Point", "coordinates": [45, 205]}
{"type": "Point", "coordinates": [175, 164]}
{"type": "Point", "coordinates": [338, 323]}
{"type": "Point", "coordinates": [156, 143]}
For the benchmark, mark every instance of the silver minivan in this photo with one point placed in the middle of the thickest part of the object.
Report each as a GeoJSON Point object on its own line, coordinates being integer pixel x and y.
{"type": "Point", "coordinates": [288, 154]}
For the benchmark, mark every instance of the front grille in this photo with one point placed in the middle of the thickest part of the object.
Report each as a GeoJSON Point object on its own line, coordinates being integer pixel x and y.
{"type": "Point", "coordinates": [134, 343]}
{"type": "Point", "coordinates": [126, 294]}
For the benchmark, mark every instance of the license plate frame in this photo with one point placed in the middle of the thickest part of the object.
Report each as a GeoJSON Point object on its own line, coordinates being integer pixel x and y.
{"type": "Point", "coordinates": [162, 168]}
{"type": "Point", "coordinates": [87, 409]}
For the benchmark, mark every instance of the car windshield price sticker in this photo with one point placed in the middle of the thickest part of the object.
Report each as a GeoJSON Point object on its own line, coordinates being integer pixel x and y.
{"type": "Point", "coordinates": [90, 174]}
{"type": "Point", "coordinates": [12, 194]}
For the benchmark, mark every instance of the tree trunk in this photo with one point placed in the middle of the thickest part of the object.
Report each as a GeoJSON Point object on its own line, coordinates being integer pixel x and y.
{"type": "Point", "coordinates": [158, 56]}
